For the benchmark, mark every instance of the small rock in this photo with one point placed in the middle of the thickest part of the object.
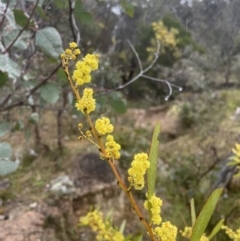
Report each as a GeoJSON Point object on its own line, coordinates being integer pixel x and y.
{"type": "Point", "coordinates": [33, 205]}
{"type": "Point", "coordinates": [62, 185]}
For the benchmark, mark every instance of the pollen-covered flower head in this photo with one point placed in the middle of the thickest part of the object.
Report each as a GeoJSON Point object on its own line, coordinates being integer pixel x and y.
{"type": "Point", "coordinates": [81, 75]}
{"type": "Point", "coordinates": [72, 52]}
{"type": "Point", "coordinates": [83, 69]}
{"type": "Point", "coordinates": [102, 227]}
{"type": "Point", "coordinates": [167, 232]}
{"type": "Point", "coordinates": [92, 61]}
{"type": "Point", "coordinates": [86, 103]}
{"type": "Point", "coordinates": [103, 126]}
{"type": "Point", "coordinates": [153, 205]}
{"type": "Point", "coordinates": [112, 148]}
{"type": "Point", "coordinates": [136, 173]}
{"type": "Point", "coordinates": [234, 235]}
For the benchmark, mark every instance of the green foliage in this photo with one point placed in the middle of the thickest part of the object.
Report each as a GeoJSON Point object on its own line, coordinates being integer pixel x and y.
{"type": "Point", "coordinates": [81, 15]}
{"type": "Point", "coordinates": [3, 78]}
{"type": "Point", "coordinates": [205, 215]}
{"type": "Point", "coordinates": [184, 37]}
{"type": "Point", "coordinates": [50, 93]}
{"type": "Point", "coordinates": [20, 18]}
{"type": "Point", "coordinates": [153, 158]}
{"type": "Point", "coordinates": [34, 118]}
{"type": "Point", "coordinates": [127, 7]}
{"type": "Point", "coordinates": [22, 41]}
{"type": "Point", "coordinates": [9, 66]}
{"type": "Point", "coordinates": [6, 165]}
{"type": "Point", "coordinates": [49, 41]}
{"type": "Point", "coordinates": [119, 105]}
{"type": "Point", "coordinates": [216, 229]}
{"type": "Point", "coordinates": [5, 150]}
{"type": "Point", "coordinates": [188, 116]}
{"type": "Point", "coordinates": [5, 127]}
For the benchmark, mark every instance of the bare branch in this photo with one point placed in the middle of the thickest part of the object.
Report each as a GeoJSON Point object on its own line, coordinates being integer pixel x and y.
{"type": "Point", "coordinates": [35, 88]}
{"type": "Point", "coordinates": [142, 71]}
{"type": "Point", "coordinates": [136, 54]}
{"type": "Point", "coordinates": [170, 85]}
{"type": "Point", "coordinates": [73, 25]}
{"type": "Point", "coordinates": [21, 31]}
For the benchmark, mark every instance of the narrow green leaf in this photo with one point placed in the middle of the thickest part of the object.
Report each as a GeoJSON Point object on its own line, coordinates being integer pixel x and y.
{"type": "Point", "coordinates": [193, 212]}
{"type": "Point", "coordinates": [216, 229]}
{"type": "Point", "coordinates": [122, 227]}
{"type": "Point", "coordinates": [3, 79]}
{"type": "Point", "coordinates": [153, 158]}
{"type": "Point", "coordinates": [50, 93]}
{"type": "Point", "coordinates": [205, 215]}
{"type": "Point", "coordinates": [5, 150]}
{"type": "Point", "coordinates": [5, 127]}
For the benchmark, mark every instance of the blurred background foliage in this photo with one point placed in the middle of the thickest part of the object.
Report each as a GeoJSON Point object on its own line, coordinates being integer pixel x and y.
{"type": "Point", "coordinates": [199, 126]}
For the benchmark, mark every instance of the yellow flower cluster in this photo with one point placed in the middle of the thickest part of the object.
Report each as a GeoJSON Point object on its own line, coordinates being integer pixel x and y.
{"type": "Point", "coordinates": [104, 229]}
{"type": "Point", "coordinates": [154, 205]}
{"type": "Point", "coordinates": [86, 103]}
{"type": "Point", "coordinates": [103, 126]}
{"type": "Point", "coordinates": [236, 151]}
{"type": "Point", "coordinates": [71, 53]}
{"type": "Point", "coordinates": [165, 36]}
{"type": "Point", "coordinates": [167, 232]}
{"type": "Point", "coordinates": [187, 232]}
{"type": "Point", "coordinates": [235, 236]}
{"type": "Point", "coordinates": [136, 173]}
{"type": "Point", "coordinates": [81, 74]}
{"type": "Point", "coordinates": [112, 148]}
